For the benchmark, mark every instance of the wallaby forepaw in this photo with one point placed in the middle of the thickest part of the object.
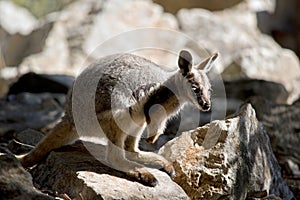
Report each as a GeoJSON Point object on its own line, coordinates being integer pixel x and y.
{"type": "Point", "coordinates": [169, 169]}
{"type": "Point", "coordinates": [143, 176]}
{"type": "Point", "coordinates": [153, 138]}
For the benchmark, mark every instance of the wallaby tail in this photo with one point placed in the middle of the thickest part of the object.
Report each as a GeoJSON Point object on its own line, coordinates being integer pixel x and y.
{"type": "Point", "coordinates": [63, 133]}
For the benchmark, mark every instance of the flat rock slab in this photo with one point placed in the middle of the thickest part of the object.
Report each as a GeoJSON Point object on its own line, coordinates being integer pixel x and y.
{"type": "Point", "coordinates": [113, 187]}
{"type": "Point", "coordinates": [73, 171]}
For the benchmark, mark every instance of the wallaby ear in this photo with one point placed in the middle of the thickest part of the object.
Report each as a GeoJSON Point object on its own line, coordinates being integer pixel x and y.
{"type": "Point", "coordinates": [185, 62]}
{"type": "Point", "coordinates": [206, 64]}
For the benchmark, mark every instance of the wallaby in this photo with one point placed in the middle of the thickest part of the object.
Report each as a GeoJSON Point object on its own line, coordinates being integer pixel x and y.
{"type": "Point", "coordinates": [153, 96]}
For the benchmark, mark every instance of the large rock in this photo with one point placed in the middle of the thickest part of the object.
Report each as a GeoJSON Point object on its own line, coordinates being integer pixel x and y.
{"type": "Point", "coordinates": [146, 14]}
{"type": "Point", "coordinates": [282, 124]}
{"type": "Point", "coordinates": [54, 56]}
{"type": "Point", "coordinates": [218, 31]}
{"type": "Point", "coordinates": [22, 109]}
{"type": "Point", "coordinates": [26, 110]}
{"type": "Point", "coordinates": [242, 89]}
{"type": "Point", "coordinates": [24, 141]}
{"type": "Point", "coordinates": [268, 63]}
{"type": "Point", "coordinates": [283, 24]}
{"type": "Point", "coordinates": [9, 13]}
{"type": "Point", "coordinates": [229, 159]}
{"type": "Point", "coordinates": [78, 39]}
{"type": "Point", "coordinates": [39, 83]}
{"type": "Point", "coordinates": [152, 43]}
{"type": "Point", "coordinates": [16, 183]}
{"type": "Point", "coordinates": [21, 39]}
{"type": "Point", "coordinates": [72, 170]}
{"type": "Point", "coordinates": [18, 46]}
{"type": "Point", "coordinates": [63, 52]}
{"type": "Point", "coordinates": [129, 16]}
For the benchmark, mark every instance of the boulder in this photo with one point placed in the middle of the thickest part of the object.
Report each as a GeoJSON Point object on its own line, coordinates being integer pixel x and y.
{"type": "Point", "coordinates": [218, 31]}
{"type": "Point", "coordinates": [16, 182]}
{"type": "Point", "coordinates": [66, 37]}
{"type": "Point", "coordinates": [282, 124]}
{"type": "Point", "coordinates": [228, 159]}
{"type": "Point", "coordinates": [21, 39]}
{"type": "Point", "coordinates": [267, 63]}
{"type": "Point", "coordinates": [283, 24]}
{"type": "Point", "coordinates": [154, 42]}
{"type": "Point", "coordinates": [24, 141]}
{"type": "Point", "coordinates": [39, 83]}
{"type": "Point", "coordinates": [78, 39]}
{"type": "Point", "coordinates": [242, 89]}
{"type": "Point", "coordinates": [74, 171]}
{"type": "Point", "coordinates": [27, 110]}
{"type": "Point", "coordinates": [18, 46]}
{"type": "Point", "coordinates": [44, 61]}
{"type": "Point", "coordinates": [13, 13]}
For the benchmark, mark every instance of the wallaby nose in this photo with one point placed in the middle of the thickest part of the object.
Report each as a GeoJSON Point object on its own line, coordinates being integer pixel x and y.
{"type": "Point", "coordinates": [206, 106]}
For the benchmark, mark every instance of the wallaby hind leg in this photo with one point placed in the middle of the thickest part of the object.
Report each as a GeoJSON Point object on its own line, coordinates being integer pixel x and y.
{"type": "Point", "coordinates": [116, 159]}
{"type": "Point", "coordinates": [150, 159]}
{"type": "Point", "coordinates": [63, 133]}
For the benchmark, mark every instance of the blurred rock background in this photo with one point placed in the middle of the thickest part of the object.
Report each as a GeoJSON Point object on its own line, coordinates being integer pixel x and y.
{"type": "Point", "coordinates": [45, 43]}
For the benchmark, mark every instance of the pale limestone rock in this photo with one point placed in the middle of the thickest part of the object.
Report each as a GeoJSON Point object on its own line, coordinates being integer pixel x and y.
{"type": "Point", "coordinates": [55, 55]}
{"type": "Point", "coordinates": [72, 170]}
{"type": "Point", "coordinates": [15, 19]}
{"type": "Point", "coordinates": [229, 159]}
{"type": "Point", "coordinates": [268, 62]}
{"type": "Point", "coordinates": [220, 31]}
{"type": "Point", "coordinates": [20, 34]}
{"type": "Point", "coordinates": [118, 17]}
{"type": "Point", "coordinates": [63, 52]}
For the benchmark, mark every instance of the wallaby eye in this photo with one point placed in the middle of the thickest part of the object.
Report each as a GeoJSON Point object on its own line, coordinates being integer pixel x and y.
{"type": "Point", "coordinates": [196, 89]}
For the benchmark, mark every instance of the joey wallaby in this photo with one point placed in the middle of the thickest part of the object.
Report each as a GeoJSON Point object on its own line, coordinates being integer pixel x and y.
{"type": "Point", "coordinates": [148, 85]}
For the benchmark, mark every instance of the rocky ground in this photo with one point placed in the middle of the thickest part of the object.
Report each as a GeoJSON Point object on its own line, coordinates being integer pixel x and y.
{"type": "Point", "coordinates": [247, 147]}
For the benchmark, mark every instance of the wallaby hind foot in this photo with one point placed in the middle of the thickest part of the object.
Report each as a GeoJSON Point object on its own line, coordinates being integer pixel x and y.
{"type": "Point", "coordinates": [143, 176]}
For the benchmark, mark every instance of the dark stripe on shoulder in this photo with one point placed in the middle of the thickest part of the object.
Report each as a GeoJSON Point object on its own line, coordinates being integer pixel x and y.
{"type": "Point", "coordinates": [161, 96]}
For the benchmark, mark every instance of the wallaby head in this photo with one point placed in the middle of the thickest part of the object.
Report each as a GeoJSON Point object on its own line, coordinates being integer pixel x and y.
{"type": "Point", "coordinates": [197, 85]}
